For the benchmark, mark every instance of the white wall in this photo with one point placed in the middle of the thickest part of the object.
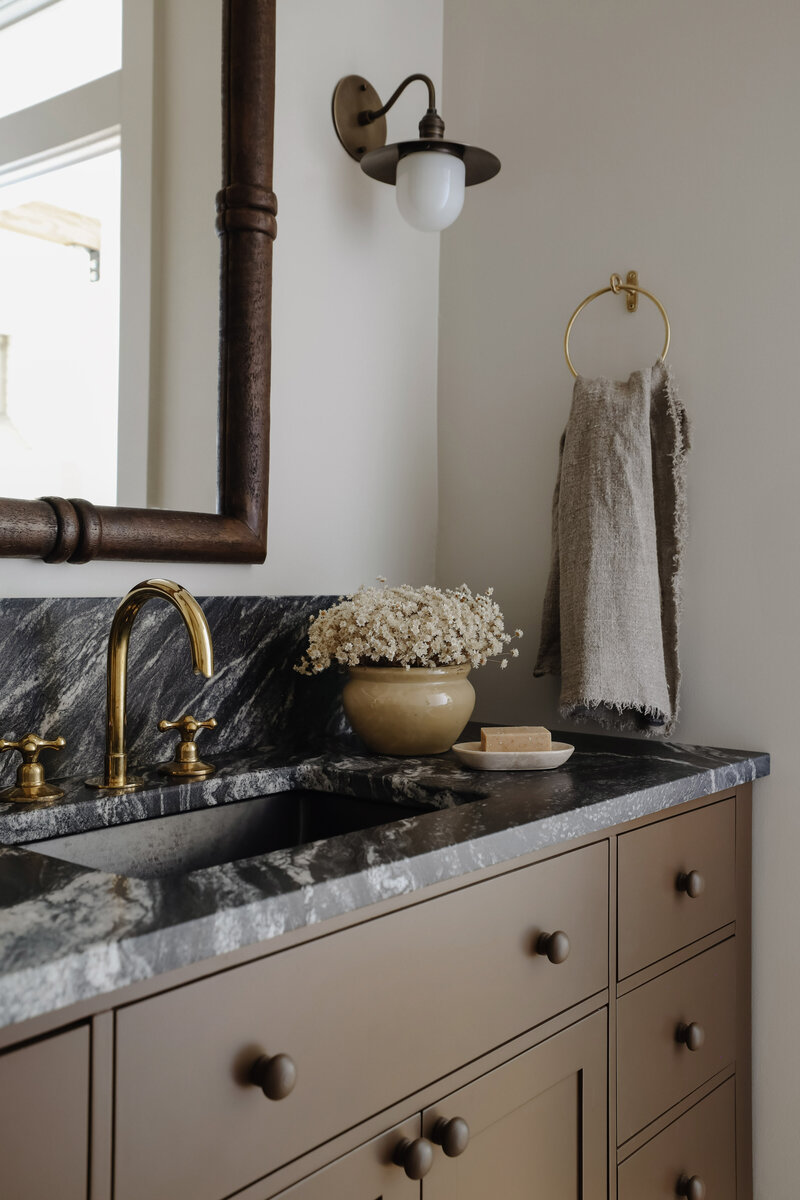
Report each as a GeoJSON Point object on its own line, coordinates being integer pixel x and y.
{"type": "Point", "coordinates": [662, 138]}
{"type": "Point", "coordinates": [353, 476]}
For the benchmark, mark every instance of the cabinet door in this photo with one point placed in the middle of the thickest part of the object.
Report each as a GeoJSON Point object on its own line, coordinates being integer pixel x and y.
{"type": "Point", "coordinates": [44, 1119]}
{"type": "Point", "coordinates": [537, 1125]}
{"type": "Point", "coordinates": [368, 1173]}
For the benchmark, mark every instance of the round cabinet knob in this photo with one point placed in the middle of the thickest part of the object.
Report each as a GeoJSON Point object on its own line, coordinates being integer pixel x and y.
{"type": "Point", "coordinates": [553, 946]}
{"type": "Point", "coordinates": [692, 883]}
{"type": "Point", "coordinates": [275, 1076]}
{"type": "Point", "coordinates": [416, 1158]}
{"type": "Point", "coordinates": [452, 1135]}
{"type": "Point", "coordinates": [692, 1189]}
{"type": "Point", "coordinates": [691, 1036]}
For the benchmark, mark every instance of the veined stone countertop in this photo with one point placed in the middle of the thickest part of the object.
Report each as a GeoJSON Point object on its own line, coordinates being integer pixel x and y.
{"type": "Point", "coordinates": [69, 933]}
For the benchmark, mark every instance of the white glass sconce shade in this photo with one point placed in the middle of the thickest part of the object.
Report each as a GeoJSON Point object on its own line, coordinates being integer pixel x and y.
{"type": "Point", "coordinates": [430, 189]}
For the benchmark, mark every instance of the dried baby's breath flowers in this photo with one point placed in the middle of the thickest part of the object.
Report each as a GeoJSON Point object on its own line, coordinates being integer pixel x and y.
{"type": "Point", "coordinates": [407, 627]}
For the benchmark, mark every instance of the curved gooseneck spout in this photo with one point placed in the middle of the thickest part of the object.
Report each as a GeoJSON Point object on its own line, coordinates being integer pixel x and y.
{"type": "Point", "coordinates": [116, 762]}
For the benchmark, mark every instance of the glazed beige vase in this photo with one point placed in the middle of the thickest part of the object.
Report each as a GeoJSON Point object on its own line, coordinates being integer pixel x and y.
{"type": "Point", "coordinates": [419, 711]}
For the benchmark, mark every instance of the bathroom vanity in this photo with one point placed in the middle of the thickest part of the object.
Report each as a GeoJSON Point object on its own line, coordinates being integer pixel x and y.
{"type": "Point", "coordinates": [526, 981]}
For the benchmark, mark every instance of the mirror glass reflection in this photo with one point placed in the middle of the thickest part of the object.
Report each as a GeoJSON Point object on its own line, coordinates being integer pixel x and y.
{"type": "Point", "coordinates": [59, 249]}
{"type": "Point", "coordinates": [59, 324]}
{"type": "Point", "coordinates": [110, 131]}
{"type": "Point", "coordinates": [49, 47]}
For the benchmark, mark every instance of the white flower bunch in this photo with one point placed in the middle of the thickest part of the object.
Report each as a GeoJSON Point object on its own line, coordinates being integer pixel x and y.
{"type": "Point", "coordinates": [408, 627]}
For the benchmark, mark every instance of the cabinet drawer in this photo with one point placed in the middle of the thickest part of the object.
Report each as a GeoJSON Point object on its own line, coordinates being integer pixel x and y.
{"type": "Point", "coordinates": [44, 1119]}
{"type": "Point", "coordinates": [657, 915]}
{"type": "Point", "coordinates": [701, 1143]}
{"type": "Point", "coordinates": [369, 1016]}
{"type": "Point", "coordinates": [656, 1070]}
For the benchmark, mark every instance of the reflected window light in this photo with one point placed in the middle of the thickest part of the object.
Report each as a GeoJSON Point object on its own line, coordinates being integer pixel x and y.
{"type": "Point", "coordinates": [3, 372]}
{"type": "Point", "coordinates": [48, 52]}
{"type": "Point", "coordinates": [59, 248]}
{"type": "Point", "coordinates": [59, 308]}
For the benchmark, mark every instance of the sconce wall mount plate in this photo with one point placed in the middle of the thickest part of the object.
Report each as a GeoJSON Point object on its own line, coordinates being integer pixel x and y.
{"type": "Point", "coordinates": [354, 95]}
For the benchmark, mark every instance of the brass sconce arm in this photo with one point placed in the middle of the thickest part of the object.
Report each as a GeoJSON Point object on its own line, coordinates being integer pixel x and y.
{"type": "Point", "coordinates": [432, 128]}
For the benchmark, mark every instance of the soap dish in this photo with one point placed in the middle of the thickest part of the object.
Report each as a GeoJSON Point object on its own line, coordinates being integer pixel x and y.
{"type": "Point", "coordinates": [471, 755]}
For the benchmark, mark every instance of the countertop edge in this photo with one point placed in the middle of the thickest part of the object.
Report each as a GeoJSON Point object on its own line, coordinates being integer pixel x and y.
{"type": "Point", "coordinates": [104, 967]}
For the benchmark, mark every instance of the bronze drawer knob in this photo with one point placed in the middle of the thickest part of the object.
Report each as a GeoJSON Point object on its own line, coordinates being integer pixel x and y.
{"type": "Point", "coordinates": [553, 946]}
{"type": "Point", "coordinates": [691, 1036]}
{"type": "Point", "coordinates": [275, 1076]}
{"type": "Point", "coordinates": [452, 1135]}
{"type": "Point", "coordinates": [692, 1189]}
{"type": "Point", "coordinates": [692, 883]}
{"type": "Point", "coordinates": [415, 1157]}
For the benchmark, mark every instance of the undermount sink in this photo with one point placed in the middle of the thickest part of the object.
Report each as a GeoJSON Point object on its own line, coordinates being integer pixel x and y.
{"type": "Point", "coordinates": [175, 845]}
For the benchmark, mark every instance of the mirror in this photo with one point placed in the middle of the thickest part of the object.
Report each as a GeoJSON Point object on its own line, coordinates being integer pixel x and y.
{"type": "Point", "coordinates": [78, 530]}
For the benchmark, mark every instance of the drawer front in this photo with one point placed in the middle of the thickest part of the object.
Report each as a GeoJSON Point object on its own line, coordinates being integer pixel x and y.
{"type": "Point", "coordinates": [44, 1119]}
{"type": "Point", "coordinates": [656, 1070]}
{"type": "Point", "coordinates": [656, 914]}
{"type": "Point", "coordinates": [701, 1144]}
{"type": "Point", "coordinates": [369, 1015]}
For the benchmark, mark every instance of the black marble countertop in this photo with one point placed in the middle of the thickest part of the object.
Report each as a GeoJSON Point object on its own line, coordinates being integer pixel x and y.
{"type": "Point", "coordinates": [69, 933]}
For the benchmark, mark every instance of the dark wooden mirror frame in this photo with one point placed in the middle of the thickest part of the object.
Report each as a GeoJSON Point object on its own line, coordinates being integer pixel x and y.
{"type": "Point", "coordinates": [76, 531]}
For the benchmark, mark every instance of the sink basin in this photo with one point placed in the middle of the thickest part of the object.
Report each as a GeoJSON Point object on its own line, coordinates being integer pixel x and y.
{"type": "Point", "coordinates": [171, 846]}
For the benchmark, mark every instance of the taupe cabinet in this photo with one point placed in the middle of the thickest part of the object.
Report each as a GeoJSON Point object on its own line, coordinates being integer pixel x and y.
{"type": "Point", "coordinates": [369, 1015]}
{"type": "Point", "coordinates": [443, 1046]}
{"type": "Point", "coordinates": [44, 1118]}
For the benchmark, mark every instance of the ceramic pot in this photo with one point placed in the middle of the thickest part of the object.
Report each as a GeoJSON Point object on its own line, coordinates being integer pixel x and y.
{"type": "Point", "coordinates": [419, 711]}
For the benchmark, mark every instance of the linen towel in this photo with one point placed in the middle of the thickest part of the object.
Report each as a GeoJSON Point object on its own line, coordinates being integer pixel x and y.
{"type": "Point", "coordinates": [611, 609]}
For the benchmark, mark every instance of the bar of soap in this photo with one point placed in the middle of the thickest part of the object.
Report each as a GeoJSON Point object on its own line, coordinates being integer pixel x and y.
{"type": "Point", "coordinates": [516, 737]}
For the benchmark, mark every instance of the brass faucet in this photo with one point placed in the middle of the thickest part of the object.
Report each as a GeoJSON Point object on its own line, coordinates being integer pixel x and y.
{"type": "Point", "coordinates": [116, 761]}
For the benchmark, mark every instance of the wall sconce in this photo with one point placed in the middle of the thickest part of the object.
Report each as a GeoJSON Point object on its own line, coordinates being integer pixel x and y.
{"type": "Point", "coordinates": [430, 173]}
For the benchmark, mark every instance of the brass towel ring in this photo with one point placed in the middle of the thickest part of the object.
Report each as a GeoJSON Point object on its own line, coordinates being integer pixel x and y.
{"type": "Point", "coordinates": [616, 286]}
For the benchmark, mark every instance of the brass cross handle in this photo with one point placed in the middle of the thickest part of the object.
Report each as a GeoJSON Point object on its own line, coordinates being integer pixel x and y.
{"type": "Point", "coordinates": [188, 726]}
{"type": "Point", "coordinates": [30, 744]}
{"type": "Point", "coordinates": [30, 783]}
{"type": "Point", "coordinates": [186, 764]}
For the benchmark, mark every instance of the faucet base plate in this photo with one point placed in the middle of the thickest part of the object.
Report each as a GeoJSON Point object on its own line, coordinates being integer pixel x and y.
{"type": "Point", "coordinates": [190, 770]}
{"type": "Point", "coordinates": [30, 793]}
{"type": "Point", "coordinates": [130, 785]}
